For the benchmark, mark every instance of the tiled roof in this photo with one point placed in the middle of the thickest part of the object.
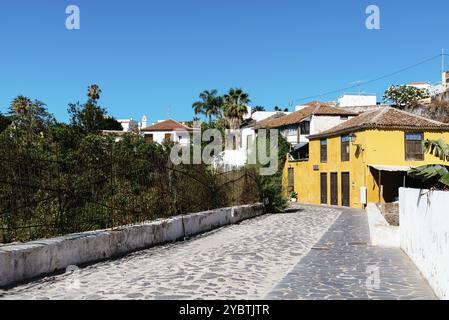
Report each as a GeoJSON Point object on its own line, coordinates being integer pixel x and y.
{"type": "Point", "coordinates": [318, 109]}
{"type": "Point", "coordinates": [168, 125]}
{"type": "Point", "coordinates": [275, 116]}
{"type": "Point", "coordinates": [385, 118]}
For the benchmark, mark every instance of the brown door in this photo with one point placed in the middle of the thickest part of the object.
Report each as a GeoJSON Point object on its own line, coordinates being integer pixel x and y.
{"type": "Point", "coordinates": [323, 188]}
{"type": "Point", "coordinates": [345, 189]}
{"type": "Point", "coordinates": [334, 189]}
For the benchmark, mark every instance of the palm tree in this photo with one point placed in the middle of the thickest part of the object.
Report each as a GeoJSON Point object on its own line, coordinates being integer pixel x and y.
{"type": "Point", "coordinates": [21, 105]}
{"type": "Point", "coordinates": [258, 108]}
{"type": "Point", "coordinates": [439, 149]}
{"type": "Point", "coordinates": [93, 92]}
{"type": "Point", "coordinates": [235, 107]}
{"type": "Point", "coordinates": [209, 104]}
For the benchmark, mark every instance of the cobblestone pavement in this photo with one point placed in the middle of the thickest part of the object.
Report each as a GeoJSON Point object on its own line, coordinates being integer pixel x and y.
{"type": "Point", "coordinates": [242, 261]}
{"type": "Point", "coordinates": [342, 266]}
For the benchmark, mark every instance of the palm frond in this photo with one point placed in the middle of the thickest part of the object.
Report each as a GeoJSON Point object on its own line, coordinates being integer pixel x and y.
{"type": "Point", "coordinates": [429, 172]}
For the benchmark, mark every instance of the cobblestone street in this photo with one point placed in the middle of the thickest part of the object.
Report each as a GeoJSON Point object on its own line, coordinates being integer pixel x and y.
{"type": "Point", "coordinates": [268, 257]}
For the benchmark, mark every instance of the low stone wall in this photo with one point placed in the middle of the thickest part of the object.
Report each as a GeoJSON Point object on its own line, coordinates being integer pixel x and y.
{"type": "Point", "coordinates": [20, 262]}
{"type": "Point", "coordinates": [424, 231]}
{"type": "Point", "coordinates": [382, 234]}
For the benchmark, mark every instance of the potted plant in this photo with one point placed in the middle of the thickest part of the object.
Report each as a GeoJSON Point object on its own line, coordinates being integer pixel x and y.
{"type": "Point", "coordinates": [293, 197]}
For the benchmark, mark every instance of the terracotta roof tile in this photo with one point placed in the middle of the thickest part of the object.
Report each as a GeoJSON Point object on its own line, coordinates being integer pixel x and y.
{"type": "Point", "coordinates": [318, 109]}
{"type": "Point", "coordinates": [168, 125]}
{"type": "Point", "coordinates": [385, 118]}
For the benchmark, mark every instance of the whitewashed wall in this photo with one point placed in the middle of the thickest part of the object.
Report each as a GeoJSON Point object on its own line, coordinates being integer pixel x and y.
{"type": "Point", "coordinates": [323, 123]}
{"type": "Point", "coordinates": [424, 230]}
{"type": "Point", "coordinates": [180, 137]}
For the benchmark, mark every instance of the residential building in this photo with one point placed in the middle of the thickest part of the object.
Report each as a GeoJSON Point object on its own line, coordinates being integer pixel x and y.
{"type": "Point", "coordinates": [363, 160]}
{"type": "Point", "coordinates": [314, 103]}
{"type": "Point", "coordinates": [128, 124]}
{"type": "Point", "coordinates": [168, 130]}
{"type": "Point", "coordinates": [297, 126]}
{"type": "Point", "coordinates": [357, 100]}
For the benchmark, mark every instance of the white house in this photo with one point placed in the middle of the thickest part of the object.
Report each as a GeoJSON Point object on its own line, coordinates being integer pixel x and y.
{"type": "Point", "coordinates": [168, 130]}
{"type": "Point", "coordinates": [357, 100]}
{"type": "Point", "coordinates": [235, 157]}
{"type": "Point", "coordinates": [310, 120]}
{"type": "Point", "coordinates": [128, 124]}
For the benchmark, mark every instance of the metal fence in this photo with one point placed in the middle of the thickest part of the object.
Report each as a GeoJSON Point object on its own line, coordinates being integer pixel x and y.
{"type": "Point", "coordinates": [54, 195]}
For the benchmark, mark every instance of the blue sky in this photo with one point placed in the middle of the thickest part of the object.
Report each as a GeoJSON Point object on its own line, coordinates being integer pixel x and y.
{"type": "Point", "coordinates": [155, 57]}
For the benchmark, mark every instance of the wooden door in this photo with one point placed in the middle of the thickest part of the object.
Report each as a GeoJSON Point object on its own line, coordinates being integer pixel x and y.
{"type": "Point", "coordinates": [345, 189]}
{"type": "Point", "coordinates": [334, 189]}
{"type": "Point", "coordinates": [323, 188]}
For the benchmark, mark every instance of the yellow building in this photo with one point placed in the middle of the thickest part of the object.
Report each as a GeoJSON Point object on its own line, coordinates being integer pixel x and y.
{"type": "Point", "coordinates": [363, 160]}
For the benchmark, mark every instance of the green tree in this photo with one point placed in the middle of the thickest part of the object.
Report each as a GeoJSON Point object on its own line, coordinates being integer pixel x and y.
{"type": "Point", "coordinates": [110, 123]}
{"type": "Point", "coordinates": [404, 96]}
{"type": "Point", "coordinates": [235, 107]}
{"type": "Point", "coordinates": [4, 122]}
{"type": "Point", "coordinates": [436, 174]}
{"type": "Point", "coordinates": [270, 187]}
{"type": "Point", "coordinates": [93, 93]}
{"type": "Point", "coordinates": [210, 104]}
{"type": "Point", "coordinates": [29, 119]}
{"type": "Point", "coordinates": [258, 108]}
{"type": "Point", "coordinates": [90, 117]}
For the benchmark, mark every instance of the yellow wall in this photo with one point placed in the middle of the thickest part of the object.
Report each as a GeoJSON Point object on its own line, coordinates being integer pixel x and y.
{"type": "Point", "coordinates": [380, 147]}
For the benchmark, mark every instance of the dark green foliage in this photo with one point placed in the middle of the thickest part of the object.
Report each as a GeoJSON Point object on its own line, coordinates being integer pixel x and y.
{"type": "Point", "coordinates": [4, 122]}
{"type": "Point", "coordinates": [404, 96]}
{"type": "Point", "coordinates": [270, 187]}
{"type": "Point", "coordinates": [111, 124]}
{"type": "Point", "coordinates": [89, 117]}
{"type": "Point", "coordinates": [435, 175]}
{"type": "Point", "coordinates": [59, 178]}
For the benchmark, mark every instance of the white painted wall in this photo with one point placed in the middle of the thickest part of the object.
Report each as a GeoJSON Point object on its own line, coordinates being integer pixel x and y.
{"type": "Point", "coordinates": [19, 262]}
{"type": "Point", "coordinates": [354, 100]}
{"type": "Point", "coordinates": [126, 123]}
{"type": "Point", "coordinates": [323, 123]}
{"type": "Point", "coordinates": [180, 137]}
{"type": "Point", "coordinates": [381, 233]}
{"type": "Point", "coordinates": [424, 231]}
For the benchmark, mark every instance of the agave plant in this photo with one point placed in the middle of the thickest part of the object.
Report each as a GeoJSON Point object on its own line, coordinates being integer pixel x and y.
{"type": "Point", "coordinates": [434, 172]}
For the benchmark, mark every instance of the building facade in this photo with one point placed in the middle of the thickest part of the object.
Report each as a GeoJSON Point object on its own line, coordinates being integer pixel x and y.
{"type": "Point", "coordinates": [168, 131]}
{"type": "Point", "coordinates": [364, 160]}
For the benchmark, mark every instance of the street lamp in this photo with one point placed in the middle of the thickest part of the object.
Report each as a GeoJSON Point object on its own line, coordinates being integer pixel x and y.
{"type": "Point", "coordinates": [352, 137]}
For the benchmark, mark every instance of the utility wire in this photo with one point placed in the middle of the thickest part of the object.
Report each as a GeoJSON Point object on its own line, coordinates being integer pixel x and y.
{"type": "Point", "coordinates": [373, 80]}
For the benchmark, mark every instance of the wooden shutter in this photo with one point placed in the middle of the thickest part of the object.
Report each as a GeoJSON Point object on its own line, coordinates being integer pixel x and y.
{"type": "Point", "coordinates": [345, 189]}
{"type": "Point", "coordinates": [323, 151]}
{"type": "Point", "coordinates": [323, 184]}
{"type": "Point", "coordinates": [168, 137]}
{"type": "Point", "coordinates": [414, 147]}
{"type": "Point", "coordinates": [334, 189]}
